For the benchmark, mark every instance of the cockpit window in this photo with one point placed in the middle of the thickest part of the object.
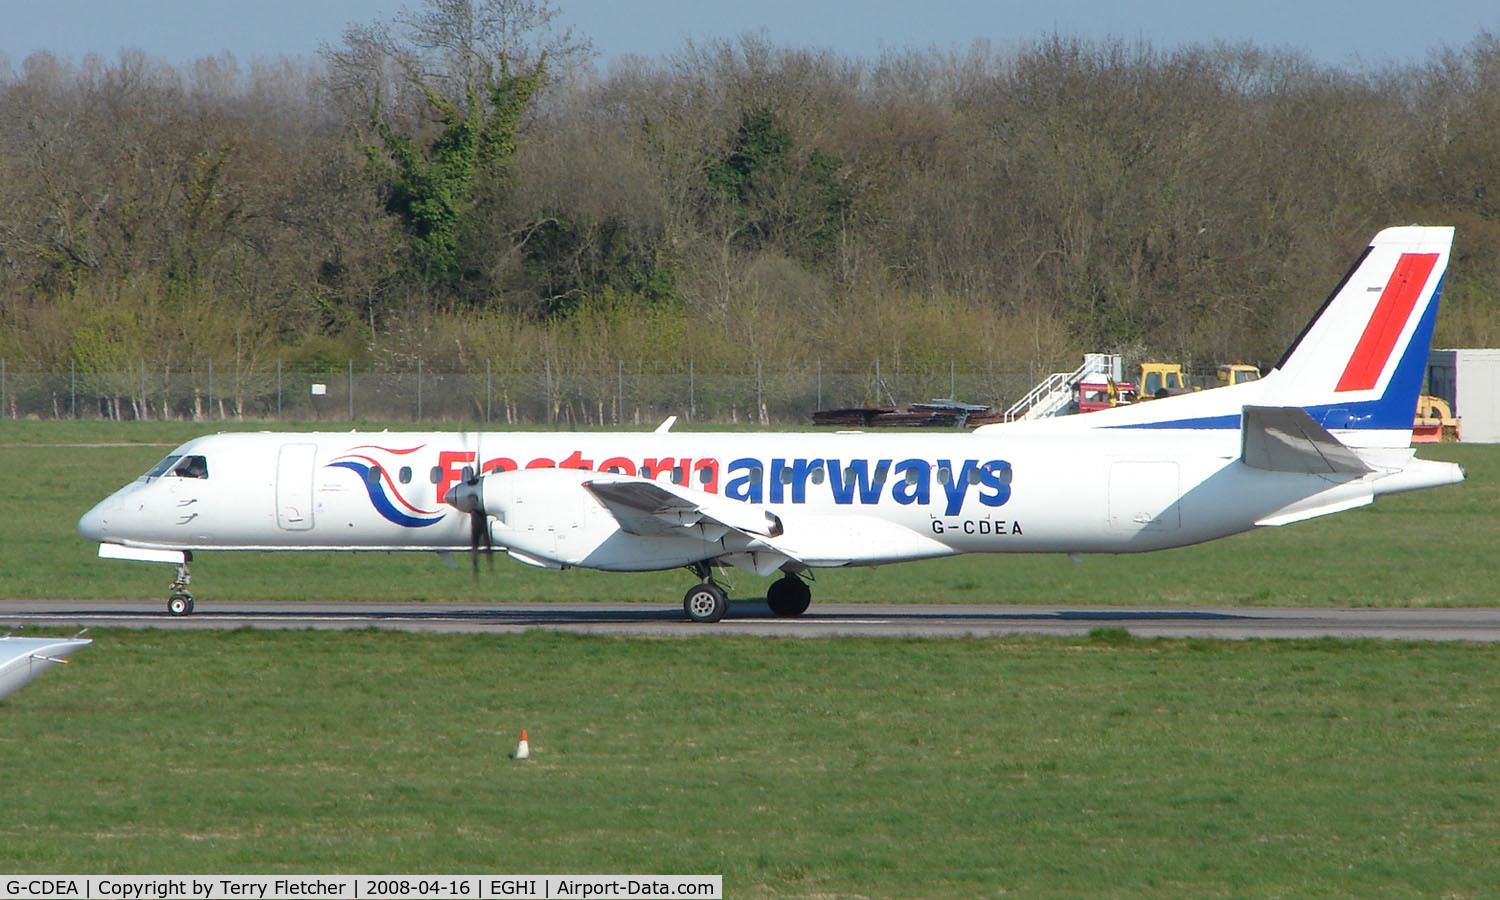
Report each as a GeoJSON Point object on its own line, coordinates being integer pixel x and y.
{"type": "Point", "coordinates": [163, 467]}
{"type": "Point", "coordinates": [191, 467]}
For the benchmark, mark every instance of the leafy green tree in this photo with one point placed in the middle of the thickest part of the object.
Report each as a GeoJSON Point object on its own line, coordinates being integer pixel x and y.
{"type": "Point", "coordinates": [432, 188]}
{"type": "Point", "coordinates": [445, 89]}
{"type": "Point", "coordinates": [775, 196]}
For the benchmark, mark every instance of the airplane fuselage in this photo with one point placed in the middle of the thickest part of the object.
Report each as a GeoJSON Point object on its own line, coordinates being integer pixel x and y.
{"type": "Point", "coordinates": [958, 493]}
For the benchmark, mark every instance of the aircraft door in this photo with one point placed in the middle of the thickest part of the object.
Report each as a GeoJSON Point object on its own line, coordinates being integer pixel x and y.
{"type": "Point", "coordinates": [294, 486]}
{"type": "Point", "coordinates": [1143, 496]}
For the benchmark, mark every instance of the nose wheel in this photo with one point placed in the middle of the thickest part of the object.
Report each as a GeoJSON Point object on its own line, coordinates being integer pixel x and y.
{"type": "Point", "coordinates": [180, 603]}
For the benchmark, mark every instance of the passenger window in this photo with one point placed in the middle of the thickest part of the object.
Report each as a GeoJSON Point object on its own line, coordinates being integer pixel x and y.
{"type": "Point", "coordinates": [373, 476]}
{"type": "Point", "coordinates": [191, 467]}
{"type": "Point", "coordinates": [405, 475]}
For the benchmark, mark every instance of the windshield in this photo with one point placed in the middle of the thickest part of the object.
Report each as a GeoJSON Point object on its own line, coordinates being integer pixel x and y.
{"type": "Point", "coordinates": [180, 466]}
{"type": "Point", "coordinates": [162, 467]}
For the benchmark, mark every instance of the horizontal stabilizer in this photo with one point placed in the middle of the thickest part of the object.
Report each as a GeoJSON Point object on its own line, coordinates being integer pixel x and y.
{"type": "Point", "coordinates": [1286, 439]}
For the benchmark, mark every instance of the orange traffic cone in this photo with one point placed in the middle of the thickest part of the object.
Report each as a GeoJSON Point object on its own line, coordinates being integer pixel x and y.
{"type": "Point", "coordinates": [523, 749]}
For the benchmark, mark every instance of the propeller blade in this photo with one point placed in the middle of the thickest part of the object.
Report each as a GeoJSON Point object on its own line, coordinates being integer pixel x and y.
{"type": "Point", "coordinates": [478, 530]}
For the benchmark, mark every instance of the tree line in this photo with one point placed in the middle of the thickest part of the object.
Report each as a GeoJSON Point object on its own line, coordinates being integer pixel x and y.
{"type": "Point", "coordinates": [463, 184]}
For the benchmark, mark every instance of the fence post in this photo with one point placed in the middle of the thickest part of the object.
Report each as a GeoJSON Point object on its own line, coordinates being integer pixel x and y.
{"type": "Point", "coordinates": [619, 391]}
{"type": "Point", "coordinates": [210, 390]}
{"type": "Point", "coordinates": [760, 403]}
{"type": "Point", "coordinates": [820, 384]}
{"type": "Point", "coordinates": [419, 390]}
{"type": "Point", "coordinates": [351, 390]}
{"type": "Point", "coordinates": [692, 392]}
{"type": "Point", "coordinates": [550, 420]}
{"type": "Point", "coordinates": [486, 391]}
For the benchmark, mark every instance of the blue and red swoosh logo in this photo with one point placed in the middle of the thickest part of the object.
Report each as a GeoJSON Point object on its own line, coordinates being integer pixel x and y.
{"type": "Point", "coordinates": [385, 494]}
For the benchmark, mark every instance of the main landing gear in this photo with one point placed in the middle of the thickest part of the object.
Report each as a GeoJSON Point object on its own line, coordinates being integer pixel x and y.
{"type": "Point", "coordinates": [788, 596]}
{"type": "Point", "coordinates": [181, 602]}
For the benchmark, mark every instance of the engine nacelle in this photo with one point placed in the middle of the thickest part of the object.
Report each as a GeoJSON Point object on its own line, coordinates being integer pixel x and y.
{"type": "Point", "coordinates": [547, 514]}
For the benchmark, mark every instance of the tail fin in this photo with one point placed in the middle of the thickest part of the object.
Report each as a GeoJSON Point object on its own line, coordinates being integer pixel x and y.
{"type": "Point", "coordinates": [1359, 364]}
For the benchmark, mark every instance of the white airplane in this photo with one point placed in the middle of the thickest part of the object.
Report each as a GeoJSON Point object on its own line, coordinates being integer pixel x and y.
{"type": "Point", "coordinates": [1327, 430]}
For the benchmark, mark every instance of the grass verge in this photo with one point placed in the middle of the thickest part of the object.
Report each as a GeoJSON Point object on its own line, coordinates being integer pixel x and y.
{"type": "Point", "coordinates": [1103, 766]}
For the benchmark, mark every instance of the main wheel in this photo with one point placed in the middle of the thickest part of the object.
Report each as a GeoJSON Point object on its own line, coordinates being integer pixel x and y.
{"type": "Point", "coordinates": [705, 602]}
{"type": "Point", "coordinates": [180, 604]}
{"type": "Point", "coordinates": [788, 596]}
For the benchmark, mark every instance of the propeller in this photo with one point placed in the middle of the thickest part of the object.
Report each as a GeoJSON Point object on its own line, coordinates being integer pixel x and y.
{"type": "Point", "coordinates": [468, 497]}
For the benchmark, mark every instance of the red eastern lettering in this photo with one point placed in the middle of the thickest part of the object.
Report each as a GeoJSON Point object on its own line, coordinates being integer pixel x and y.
{"type": "Point", "coordinates": [618, 463]}
{"type": "Point", "coordinates": [710, 484]}
{"type": "Point", "coordinates": [576, 461]}
{"type": "Point", "coordinates": [451, 465]}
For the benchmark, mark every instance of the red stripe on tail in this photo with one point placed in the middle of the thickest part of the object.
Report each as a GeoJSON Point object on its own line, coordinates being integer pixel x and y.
{"type": "Point", "coordinates": [1385, 326]}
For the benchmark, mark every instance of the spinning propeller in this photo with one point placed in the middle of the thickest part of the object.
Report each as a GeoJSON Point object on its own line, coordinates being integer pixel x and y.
{"type": "Point", "coordinates": [468, 497]}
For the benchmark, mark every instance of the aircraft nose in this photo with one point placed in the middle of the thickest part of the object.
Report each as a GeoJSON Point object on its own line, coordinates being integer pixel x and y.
{"type": "Point", "coordinates": [94, 523]}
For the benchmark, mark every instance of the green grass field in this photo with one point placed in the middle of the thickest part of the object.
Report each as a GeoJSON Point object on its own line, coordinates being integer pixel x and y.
{"type": "Point", "coordinates": [843, 768]}
{"type": "Point", "coordinates": [1023, 767]}
{"type": "Point", "coordinates": [1430, 548]}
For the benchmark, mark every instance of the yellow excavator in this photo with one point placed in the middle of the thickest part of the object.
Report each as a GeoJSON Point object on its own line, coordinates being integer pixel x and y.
{"type": "Point", "coordinates": [1434, 422]}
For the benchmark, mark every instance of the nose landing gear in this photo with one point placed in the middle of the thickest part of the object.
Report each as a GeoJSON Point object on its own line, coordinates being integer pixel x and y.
{"type": "Point", "coordinates": [181, 602]}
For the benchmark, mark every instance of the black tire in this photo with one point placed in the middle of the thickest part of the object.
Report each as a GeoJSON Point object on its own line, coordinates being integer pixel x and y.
{"type": "Point", "coordinates": [180, 605]}
{"type": "Point", "coordinates": [705, 602]}
{"type": "Point", "coordinates": [788, 596]}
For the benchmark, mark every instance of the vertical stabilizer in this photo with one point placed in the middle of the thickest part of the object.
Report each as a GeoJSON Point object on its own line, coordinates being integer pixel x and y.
{"type": "Point", "coordinates": [1359, 365]}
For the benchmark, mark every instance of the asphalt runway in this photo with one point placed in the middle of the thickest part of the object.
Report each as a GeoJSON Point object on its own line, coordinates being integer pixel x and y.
{"type": "Point", "coordinates": [751, 617]}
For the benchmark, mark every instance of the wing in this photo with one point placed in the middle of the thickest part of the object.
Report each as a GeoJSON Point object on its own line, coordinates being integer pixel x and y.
{"type": "Point", "coordinates": [657, 509]}
{"type": "Point", "coordinates": [753, 538]}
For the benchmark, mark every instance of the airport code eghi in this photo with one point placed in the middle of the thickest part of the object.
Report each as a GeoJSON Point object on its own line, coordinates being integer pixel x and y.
{"type": "Point", "coordinates": [360, 887]}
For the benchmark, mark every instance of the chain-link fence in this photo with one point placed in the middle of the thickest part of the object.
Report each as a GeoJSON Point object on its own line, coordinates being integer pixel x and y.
{"type": "Point", "coordinates": [489, 396]}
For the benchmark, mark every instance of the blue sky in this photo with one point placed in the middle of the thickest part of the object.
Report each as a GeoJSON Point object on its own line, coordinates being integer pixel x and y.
{"type": "Point", "coordinates": [1333, 32]}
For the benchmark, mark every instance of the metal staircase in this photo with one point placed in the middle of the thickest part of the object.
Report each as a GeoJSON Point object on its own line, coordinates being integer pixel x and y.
{"type": "Point", "coordinates": [1052, 396]}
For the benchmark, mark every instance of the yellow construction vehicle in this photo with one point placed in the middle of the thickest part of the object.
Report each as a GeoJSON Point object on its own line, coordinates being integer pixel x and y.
{"type": "Point", "coordinates": [1160, 380]}
{"type": "Point", "coordinates": [1434, 422]}
{"type": "Point", "coordinates": [1239, 373]}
